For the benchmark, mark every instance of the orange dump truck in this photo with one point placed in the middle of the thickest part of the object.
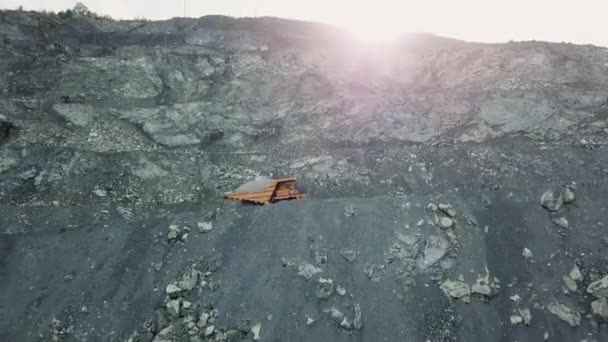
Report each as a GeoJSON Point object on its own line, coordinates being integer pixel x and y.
{"type": "Point", "coordinates": [263, 191]}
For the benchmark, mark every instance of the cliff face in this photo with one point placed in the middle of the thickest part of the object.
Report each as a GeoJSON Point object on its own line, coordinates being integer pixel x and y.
{"type": "Point", "coordinates": [116, 139]}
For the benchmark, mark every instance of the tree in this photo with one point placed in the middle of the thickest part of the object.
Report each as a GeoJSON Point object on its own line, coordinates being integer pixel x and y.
{"type": "Point", "coordinates": [80, 10]}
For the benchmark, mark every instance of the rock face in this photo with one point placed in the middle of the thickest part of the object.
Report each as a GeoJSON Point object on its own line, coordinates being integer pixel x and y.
{"type": "Point", "coordinates": [423, 162]}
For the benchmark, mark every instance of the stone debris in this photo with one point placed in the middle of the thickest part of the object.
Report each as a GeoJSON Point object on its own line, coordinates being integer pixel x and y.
{"type": "Point", "coordinates": [599, 288]}
{"type": "Point", "coordinates": [568, 195]}
{"type": "Point", "coordinates": [445, 222]}
{"type": "Point", "coordinates": [340, 318]}
{"type": "Point", "coordinates": [447, 209]}
{"type": "Point", "coordinates": [570, 283]}
{"type": "Point", "coordinates": [340, 290]}
{"type": "Point", "coordinates": [516, 319]}
{"type": "Point", "coordinates": [485, 286]}
{"type": "Point", "coordinates": [209, 331]}
{"type": "Point", "coordinates": [303, 268]}
{"type": "Point", "coordinates": [310, 320]}
{"type": "Point", "coordinates": [565, 313]}
{"type": "Point", "coordinates": [350, 210]}
{"type": "Point", "coordinates": [205, 227]}
{"type": "Point", "coordinates": [551, 200]}
{"type": "Point", "coordinates": [358, 320]}
{"type": "Point", "coordinates": [202, 319]}
{"type": "Point", "coordinates": [174, 232]}
{"type": "Point", "coordinates": [526, 315]}
{"type": "Point", "coordinates": [320, 257]}
{"type": "Point", "coordinates": [575, 273]}
{"type": "Point", "coordinates": [455, 289]}
{"type": "Point", "coordinates": [599, 307]}
{"type": "Point", "coordinates": [173, 307]}
{"type": "Point", "coordinates": [349, 254]}
{"type": "Point", "coordinates": [560, 222]}
{"type": "Point", "coordinates": [374, 272]}
{"type": "Point", "coordinates": [173, 291]}
{"type": "Point", "coordinates": [164, 334]}
{"type": "Point", "coordinates": [325, 288]}
{"type": "Point", "coordinates": [189, 280]}
{"type": "Point", "coordinates": [100, 193]}
{"type": "Point", "coordinates": [432, 207]}
{"type": "Point", "coordinates": [435, 248]}
{"type": "Point", "coordinates": [336, 315]}
{"type": "Point", "coordinates": [526, 253]}
{"type": "Point", "coordinates": [255, 329]}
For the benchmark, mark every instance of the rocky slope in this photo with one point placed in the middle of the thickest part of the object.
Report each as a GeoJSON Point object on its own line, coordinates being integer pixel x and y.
{"type": "Point", "coordinates": [456, 190]}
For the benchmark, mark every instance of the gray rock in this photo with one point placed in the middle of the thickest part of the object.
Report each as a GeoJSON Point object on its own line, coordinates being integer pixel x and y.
{"type": "Point", "coordinates": [599, 307]}
{"type": "Point", "coordinates": [570, 283]}
{"type": "Point", "coordinates": [173, 290]}
{"type": "Point", "coordinates": [100, 193]}
{"type": "Point", "coordinates": [565, 313]}
{"type": "Point", "coordinates": [435, 248]}
{"type": "Point", "coordinates": [482, 289]}
{"type": "Point", "coordinates": [209, 331]}
{"type": "Point", "coordinates": [173, 307]}
{"type": "Point", "coordinates": [303, 268]}
{"type": "Point", "coordinates": [174, 232]}
{"type": "Point", "coordinates": [526, 253]}
{"type": "Point", "coordinates": [164, 334]}
{"type": "Point", "coordinates": [320, 257]}
{"type": "Point", "coordinates": [358, 320]}
{"type": "Point", "coordinates": [204, 227]}
{"type": "Point", "coordinates": [27, 175]}
{"type": "Point", "coordinates": [575, 273]}
{"type": "Point", "coordinates": [568, 196]}
{"type": "Point", "coordinates": [447, 209]}
{"type": "Point", "coordinates": [335, 315]}
{"type": "Point", "coordinates": [551, 200]}
{"type": "Point", "coordinates": [455, 289]}
{"type": "Point", "coordinates": [349, 254]}
{"type": "Point", "coordinates": [445, 222]}
{"type": "Point", "coordinates": [325, 288]}
{"type": "Point", "coordinates": [432, 207]}
{"type": "Point", "coordinates": [255, 330]}
{"type": "Point", "coordinates": [374, 272]}
{"type": "Point", "coordinates": [189, 280]}
{"type": "Point", "coordinates": [516, 319]}
{"type": "Point", "coordinates": [350, 210]}
{"type": "Point", "coordinates": [202, 319]}
{"type": "Point", "coordinates": [308, 271]}
{"type": "Point", "coordinates": [526, 315]}
{"type": "Point", "coordinates": [599, 288]}
{"type": "Point", "coordinates": [561, 222]}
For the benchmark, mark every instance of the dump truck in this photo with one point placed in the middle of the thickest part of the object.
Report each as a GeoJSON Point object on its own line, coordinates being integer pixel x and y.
{"type": "Point", "coordinates": [265, 190]}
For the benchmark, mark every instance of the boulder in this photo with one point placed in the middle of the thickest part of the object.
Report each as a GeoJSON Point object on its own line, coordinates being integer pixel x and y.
{"type": "Point", "coordinates": [599, 308]}
{"type": "Point", "coordinates": [565, 313]}
{"type": "Point", "coordinates": [551, 200]}
{"type": "Point", "coordinates": [599, 288]}
{"type": "Point", "coordinates": [455, 289]}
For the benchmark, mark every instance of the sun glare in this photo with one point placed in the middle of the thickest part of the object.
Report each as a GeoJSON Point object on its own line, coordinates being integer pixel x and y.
{"type": "Point", "coordinates": [373, 29]}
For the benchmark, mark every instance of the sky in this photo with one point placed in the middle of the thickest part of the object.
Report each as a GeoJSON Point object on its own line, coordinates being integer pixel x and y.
{"type": "Point", "coordinates": [580, 21]}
